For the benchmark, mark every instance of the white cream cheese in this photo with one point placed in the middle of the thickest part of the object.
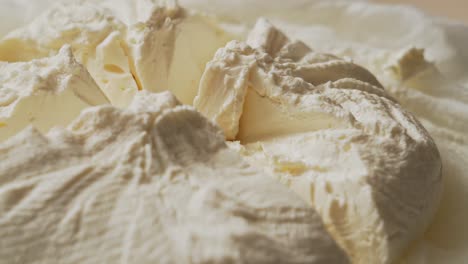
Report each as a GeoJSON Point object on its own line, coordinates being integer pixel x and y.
{"type": "Point", "coordinates": [170, 49]}
{"type": "Point", "coordinates": [441, 103]}
{"type": "Point", "coordinates": [337, 27]}
{"type": "Point", "coordinates": [158, 47]}
{"type": "Point", "coordinates": [45, 92]}
{"type": "Point", "coordinates": [96, 40]}
{"type": "Point", "coordinates": [326, 128]}
{"type": "Point", "coordinates": [153, 183]}
{"type": "Point", "coordinates": [436, 96]}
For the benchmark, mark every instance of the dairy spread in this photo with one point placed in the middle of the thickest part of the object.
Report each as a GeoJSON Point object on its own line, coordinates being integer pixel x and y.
{"type": "Point", "coordinates": [155, 181]}
{"type": "Point", "coordinates": [378, 37]}
{"type": "Point", "coordinates": [44, 92]}
{"type": "Point", "coordinates": [158, 46]}
{"type": "Point", "coordinates": [327, 129]}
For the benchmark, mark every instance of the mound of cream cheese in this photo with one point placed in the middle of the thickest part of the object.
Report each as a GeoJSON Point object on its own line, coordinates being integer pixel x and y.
{"type": "Point", "coordinates": [326, 128]}
{"type": "Point", "coordinates": [153, 183]}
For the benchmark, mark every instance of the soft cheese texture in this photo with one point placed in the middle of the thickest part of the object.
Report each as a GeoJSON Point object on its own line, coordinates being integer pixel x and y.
{"type": "Point", "coordinates": [170, 49]}
{"type": "Point", "coordinates": [45, 92]}
{"type": "Point", "coordinates": [337, 27]}
{"type": "Point", "coordinates": [374, 36]}
{"type": "Point", "coordinates": [328, 130]}
{"type": "Point", "coordinates": [154, 183]}
{"type": "Point", "coordinates": [159, 46]}
{"type": "Point", "coordinates": [441, 103]}
{"type": "Point", "coordinates": [95, 36]}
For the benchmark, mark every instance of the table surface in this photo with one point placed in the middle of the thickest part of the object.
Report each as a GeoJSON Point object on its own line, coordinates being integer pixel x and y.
{"type": "Point", "coordinates": [454, 9]}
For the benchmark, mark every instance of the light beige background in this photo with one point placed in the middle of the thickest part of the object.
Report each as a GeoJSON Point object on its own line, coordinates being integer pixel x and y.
{"type": "Point", "coordinates": [455, 9]}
